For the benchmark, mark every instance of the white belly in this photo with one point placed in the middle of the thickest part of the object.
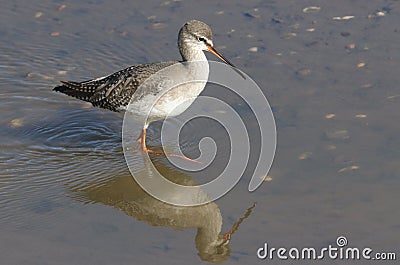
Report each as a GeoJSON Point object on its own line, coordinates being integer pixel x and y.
{"type": "Point", "coordinates": [173, 91]}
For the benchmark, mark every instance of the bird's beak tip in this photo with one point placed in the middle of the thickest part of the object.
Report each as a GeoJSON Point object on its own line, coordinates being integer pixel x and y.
{"type": "Point", "coordinates": [222, 58]}
{"type": "Point", "coordinates": [218, 55]}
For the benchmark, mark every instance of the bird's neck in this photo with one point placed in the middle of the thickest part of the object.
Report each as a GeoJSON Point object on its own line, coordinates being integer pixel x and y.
{"type": "Point", "coordinates": [193, 55]}
{"type": "Point", "coordinates": [188, 53]}
{"type": "Point", "coordinates": [209, 227]}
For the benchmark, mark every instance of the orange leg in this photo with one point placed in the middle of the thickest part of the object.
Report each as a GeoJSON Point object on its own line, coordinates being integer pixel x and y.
{"type": "Point", "coordinates": [227, 235]}
{"type": "Point", "coordinates": [142, 140]}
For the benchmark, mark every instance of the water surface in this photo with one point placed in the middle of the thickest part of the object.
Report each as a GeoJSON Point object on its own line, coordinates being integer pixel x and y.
{"type": "Point", "coordinates": [66, 192]}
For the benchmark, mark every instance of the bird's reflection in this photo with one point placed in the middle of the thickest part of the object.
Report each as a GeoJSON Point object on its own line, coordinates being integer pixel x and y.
{"type": "Point", "coordinates": [122, 192]}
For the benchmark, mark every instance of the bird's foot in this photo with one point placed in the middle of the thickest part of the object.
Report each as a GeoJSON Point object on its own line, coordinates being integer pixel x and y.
{"type": "Point", "coordinates": [142, 141]}
{"type": "Point", "coordinates": [227, 236]}
{"type": "Point", "coordinates": [170, 154]}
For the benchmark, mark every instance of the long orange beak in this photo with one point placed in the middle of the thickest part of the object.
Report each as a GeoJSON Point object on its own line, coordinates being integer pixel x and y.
{"type": "Point", "coordinates": [219, 56]}
{"type": "Point", "coordinates": [222, 58]}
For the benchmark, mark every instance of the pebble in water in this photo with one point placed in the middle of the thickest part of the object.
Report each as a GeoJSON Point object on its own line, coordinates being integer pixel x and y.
{"type": "Point", "coordinates": [338, 135]}
{"type": "Point", "coordinates": [15, 123]}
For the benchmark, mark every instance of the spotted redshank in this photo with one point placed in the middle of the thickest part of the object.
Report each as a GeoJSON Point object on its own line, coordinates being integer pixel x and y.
{"type": "Point", "coordinates": [115, 91]}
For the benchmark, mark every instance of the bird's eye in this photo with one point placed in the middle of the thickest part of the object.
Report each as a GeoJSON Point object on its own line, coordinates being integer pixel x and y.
{"type": "Point", "coordinates": [201, 39]}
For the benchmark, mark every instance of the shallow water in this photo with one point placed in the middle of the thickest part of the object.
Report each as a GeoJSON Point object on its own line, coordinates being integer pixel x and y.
{"type": "Point", "coordinates": [67, 196]}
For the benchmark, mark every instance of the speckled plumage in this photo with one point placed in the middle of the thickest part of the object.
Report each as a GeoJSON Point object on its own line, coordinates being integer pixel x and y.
{"type": "Point", "coordinates": [114, 91]}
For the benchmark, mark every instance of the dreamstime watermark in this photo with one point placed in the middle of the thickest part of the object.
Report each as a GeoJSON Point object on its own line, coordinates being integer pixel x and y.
{"type": "Point", "coordinates": [173, 93]}
{"type": "Point", "coordinates": [340, 251]}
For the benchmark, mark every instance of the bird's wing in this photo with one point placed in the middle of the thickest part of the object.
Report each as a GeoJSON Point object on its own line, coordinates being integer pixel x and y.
{"type": "Point", "coordinates": [113, 91]}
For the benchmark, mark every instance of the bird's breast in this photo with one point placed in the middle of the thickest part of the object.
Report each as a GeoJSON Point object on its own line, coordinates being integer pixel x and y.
{"type": "Point", "coordinates": [170, 91]}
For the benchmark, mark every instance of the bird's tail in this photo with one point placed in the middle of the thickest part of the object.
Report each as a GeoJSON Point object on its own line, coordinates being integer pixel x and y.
{"type": "Point", "coordinates": [75, 89]}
